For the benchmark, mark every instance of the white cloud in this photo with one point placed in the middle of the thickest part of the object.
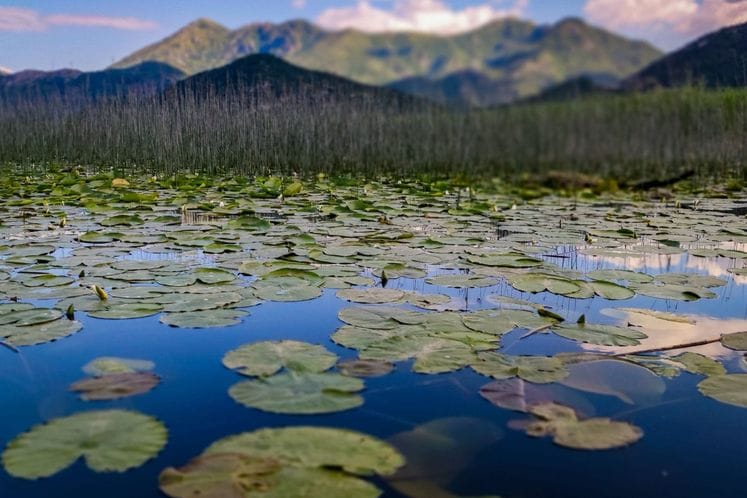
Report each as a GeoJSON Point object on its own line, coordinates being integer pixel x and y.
{"type": "Point", "coordinates": [417, 15]}
{"type": "Point", "coordinates": [298, 4]}
{"type": "Point", "coordinates": [19, 19]}
{"type": "Point", "coordinates": [684, 18]}
{"type": "Point", "coordinates": [5, 70]}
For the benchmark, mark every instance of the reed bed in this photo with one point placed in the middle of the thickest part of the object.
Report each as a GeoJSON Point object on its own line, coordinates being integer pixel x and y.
{"type": "Point", "coordinates": [252, 133]}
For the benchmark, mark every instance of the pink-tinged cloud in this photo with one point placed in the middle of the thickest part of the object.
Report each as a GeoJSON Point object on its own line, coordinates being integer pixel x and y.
{"type": "Point", "coordinates": [417, 15]}
{"type": "Point", "coordinates": [687, 18]}
{"type": "Point", "coordinates": [18, 19]}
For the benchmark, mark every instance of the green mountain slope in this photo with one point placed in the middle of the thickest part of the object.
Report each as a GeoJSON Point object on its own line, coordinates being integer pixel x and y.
{"type": "Point", "coordinates": [716, 60]}
{"type": "Point", "coordinates": [264, 75]}
{"type": "Point", "coordinates": [147, 78]}
{"type": "Point", "coordinates": [519, 57]}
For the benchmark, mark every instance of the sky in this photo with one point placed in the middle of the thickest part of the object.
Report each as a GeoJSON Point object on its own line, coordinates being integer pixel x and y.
{"type": "Point", "coordinates": [92, 34]}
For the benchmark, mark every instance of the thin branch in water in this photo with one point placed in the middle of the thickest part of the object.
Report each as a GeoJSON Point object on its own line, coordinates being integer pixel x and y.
{"type": "Point", "coordinates": [670, 348]}
{"type": "Point", "coordinates": [10, 346]}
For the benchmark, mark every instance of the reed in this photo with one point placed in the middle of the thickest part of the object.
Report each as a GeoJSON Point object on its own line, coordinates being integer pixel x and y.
{"type": "Point", "coordinates": [252, 133]}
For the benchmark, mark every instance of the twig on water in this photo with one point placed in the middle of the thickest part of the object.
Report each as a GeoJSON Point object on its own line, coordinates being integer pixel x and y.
{"type": "Point", "coordinates": [10, 346]}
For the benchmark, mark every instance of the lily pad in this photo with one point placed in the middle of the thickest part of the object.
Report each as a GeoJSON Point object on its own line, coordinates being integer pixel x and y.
{"type": "Point", "coordinates": [115, 386]}
{"type": "Point", "coordinates": [38, 334]}
{"type": "Point", "coordinates": [365, 368]}
{"type": "Point", "coordinates": [603, 335]}
{"type": "Point", "coordinates": [299, 393]}
{"type": "Point", "coordinates": [736, 341]}
{"type": "Point", "coordinates": [730, 389]}
{"type": "Point", "coordinates": [109, 441]}
{"type": "Point", "coordinates": [372, 295]}
{"type": "Point", "coordinates": [537, 369]}
{"type": "Point", "coordinates": [315, 447]}
{"type": "Point", "coordinates": [269, 357]}
{"type": "Point", "coordinates": [126, 311]}
{"type": "Point", "coordinates": [204, 319]}
{"type": "Point", "coordinates": [109, 365]}
{"type": "Point", "coordinates": [240, 476]}
{"type": "Point", "coordinates": [593, 434]}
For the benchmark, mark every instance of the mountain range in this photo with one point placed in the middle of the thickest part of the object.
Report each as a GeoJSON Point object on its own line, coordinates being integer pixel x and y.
{"type": "Point", "coordinates": [717, 60]}
{"type": "Point", "coordinates": [146, 78]}
{"type": "Point", "coordinates": [499, 62]}
{"type": "Point", "coordinates": [266, 76]}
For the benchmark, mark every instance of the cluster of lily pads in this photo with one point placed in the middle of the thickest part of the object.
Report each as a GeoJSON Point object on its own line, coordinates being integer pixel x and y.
{"type": "Point", "coordinates": [199, 253]}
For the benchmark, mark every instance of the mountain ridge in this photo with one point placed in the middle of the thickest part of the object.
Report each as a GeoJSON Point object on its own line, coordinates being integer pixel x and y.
{"type": "Point", "coordinates": [515, 54]}
{"type": "Point", "coordinates": [70, 84]}
{"type": "Point", "coordinates": [716, 60]}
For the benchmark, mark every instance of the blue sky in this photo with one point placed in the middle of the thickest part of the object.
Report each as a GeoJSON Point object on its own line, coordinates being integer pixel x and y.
{"type": "Point", "coordinates": [91, 34]}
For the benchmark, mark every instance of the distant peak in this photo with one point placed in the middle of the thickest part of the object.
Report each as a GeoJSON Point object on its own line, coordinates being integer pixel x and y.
{"type": "Point", "coordinates": [205, 23]}
{"type": "Point", "coordinates": [572, 21]}
{"type": "Point", "coordinates": [5, 71]}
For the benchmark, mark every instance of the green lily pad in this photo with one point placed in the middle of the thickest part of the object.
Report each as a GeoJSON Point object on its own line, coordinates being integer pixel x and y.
{"type": "Point", "coordinates": [365, 368]}
{"type": "Point", "coordinates": [109, 365]}
{"type": "Point", "coordinates": [126, 311]}
{"type": "Point", "coordinates": [462, 281]}
{"type": "Point", "coordinates": [33, 316]}
{"type": "Point", "coordinates": [593, 434]}
{"type": "Point", "coordinates": [611, 291]}
{"type": "Point", "coordinates": [602, 335]}
{"type": "Point", "coordinates": [699, 364]}
{"type": "Point", "coordinates": [239, 476]}
{"type": "Point", "coordinates": [537, 369]}
{"type": "Point", "coordinates": [109, 441]}
{"type": "Point", "coordinates": [372, 295]}
{"type": "Point", "coordinates": [204, 319]}
{"type": "Point", "coordinates": [540, 282]}
{"type": "Point", "coordinates": [212, 276]}
{"type": "Point", "coordinates": [269, 357]}
{"type": "Point", "coordinates": [38, 334]}
{"type": "Point", "coordinates": [736, 341]}
{"type": "Point", "coordinates": [115, 386]}
{"type": "Point", "coordinates": [380, 317]}
{"type": "Point", "coordinates": [730, 389]}
{"type": "Point", "coordinates": [620, 275]}
{"type": "Point", "coordinates": [315, 447]}
{"type": "Point", "coordinates": [511, 260]}
{"type": "Point", "coordinates": [299, 393]}
{"type": "Point", "coordinates": [285, 290]}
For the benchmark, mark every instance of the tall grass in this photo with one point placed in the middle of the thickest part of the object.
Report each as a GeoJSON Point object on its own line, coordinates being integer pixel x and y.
{"type": "Point", "coordinates": [629, 136]}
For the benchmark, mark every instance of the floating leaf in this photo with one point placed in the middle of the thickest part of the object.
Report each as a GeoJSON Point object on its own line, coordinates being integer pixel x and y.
{"type": "Point", "coordinates": [269, 357]}
{"type": "Point", "coordinates": [315, 447]}
{"type": "Point", "coordinates": [540, 282]}
{"type": "Point", "coordinates": [212, 276]}
{"type": "Point", "coordinates": [537, 369]}
{"type": "Point", "coordinates": [603, 335]}
{"type": "Point", "coordinates": [109, 441]}
{"type": "Point", "coordinates": [30, 335]}
{"type": "Point", "coordinates": [115, 386]}
{"type": "Point", "coordinates": [730, 389]}
{"type": "Point", "coordinates": [204, 319]}
{"type": "Point", "coordinates": [33, 316]}
{"type": "Point", "coordinates": [126, 311]}
{"type": "Point", "coordinates": [699, 364]}
{"type": "Point", "coordinates": [110, 365]}
{"type": "Point", "coordinates": [299, 393]}
{"type": "Point", "coordinates": [365, 368]}
{"type": "Point", "coordinates": [592, 434]}
{"type": "Point", "coordinates": [372, 295]}
{"type": "Point", "coordinates": [736, 341]}
{"type": "Point", "coordinates": [462, 281]}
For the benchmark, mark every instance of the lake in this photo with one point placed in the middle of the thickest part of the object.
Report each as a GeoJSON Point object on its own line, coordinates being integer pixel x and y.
{"type": "Point", "coordinates": [507, 348]}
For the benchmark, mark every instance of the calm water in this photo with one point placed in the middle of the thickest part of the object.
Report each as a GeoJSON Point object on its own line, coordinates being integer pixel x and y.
{"type": "Point", "coordinates": [693, 447]}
